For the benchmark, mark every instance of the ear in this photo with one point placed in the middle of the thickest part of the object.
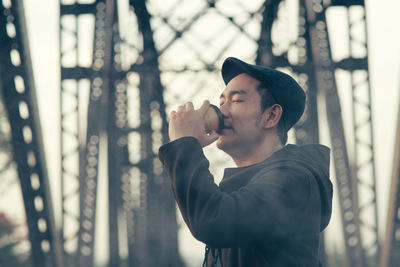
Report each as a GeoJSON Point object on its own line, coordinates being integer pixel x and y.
{"type": "Point", "coordinates": [272, 116]}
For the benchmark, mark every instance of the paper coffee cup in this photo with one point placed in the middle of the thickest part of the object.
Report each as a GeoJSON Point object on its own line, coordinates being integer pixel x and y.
{"type": "Point", "coordinates": [213, 119]}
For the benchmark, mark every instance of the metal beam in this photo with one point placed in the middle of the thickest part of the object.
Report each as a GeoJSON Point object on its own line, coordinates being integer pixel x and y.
{"type": "Point", "coordinates": [390, 253]}
{"type": "Point", "coordinates": [28, 150]}
{"type": "Point", "coordinates": [96, 124]}
{"type": "Point", "coordinates": [363, 137]}
{"type": "Point", "coordinates": [347, 187]}
{"type": "Point", "coordinates": [156, 216]}
{"type": "Point", "coordinates": [347, 3]}
{"type": "Point", "coordinates": [75, 83]}
{"type": "Point", "coordinates": [77, 9]}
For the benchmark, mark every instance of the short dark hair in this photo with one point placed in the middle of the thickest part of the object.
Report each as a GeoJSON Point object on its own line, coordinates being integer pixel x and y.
{"type": "Point", "coordinates": [267, 100]}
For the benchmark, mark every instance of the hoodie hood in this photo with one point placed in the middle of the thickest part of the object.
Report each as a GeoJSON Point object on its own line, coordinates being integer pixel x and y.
{"type": "Point", "coordinates": [315, 158]}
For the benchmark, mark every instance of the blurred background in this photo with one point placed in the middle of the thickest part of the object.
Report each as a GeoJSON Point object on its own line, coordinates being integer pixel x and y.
{"type": "Point", "coordinates": [85, 92]}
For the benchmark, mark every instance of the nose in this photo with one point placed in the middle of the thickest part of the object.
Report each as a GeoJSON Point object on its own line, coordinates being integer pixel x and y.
{"type": "Point", "coordinates": [224, 109]}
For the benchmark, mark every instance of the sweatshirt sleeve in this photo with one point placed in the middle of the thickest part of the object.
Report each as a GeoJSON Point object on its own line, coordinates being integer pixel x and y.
{"type": "Point", "coordinates": [265, 208]}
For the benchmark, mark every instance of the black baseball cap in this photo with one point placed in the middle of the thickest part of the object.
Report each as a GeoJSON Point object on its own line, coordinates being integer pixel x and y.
{"type": "Point", "coordinates": [286, 91]}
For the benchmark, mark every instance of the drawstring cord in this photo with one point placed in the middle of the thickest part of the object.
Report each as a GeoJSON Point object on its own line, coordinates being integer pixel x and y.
{"type": "Point", "coordinates": [215, 257]}
{"type": "Point", "coordinates": [206, 256]}
{"type": "Point", "coordinates": [219, 255]}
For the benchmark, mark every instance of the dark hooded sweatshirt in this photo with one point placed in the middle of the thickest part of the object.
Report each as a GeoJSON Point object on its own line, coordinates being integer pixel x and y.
{"type": "Point", "coordinates": [266, 214]}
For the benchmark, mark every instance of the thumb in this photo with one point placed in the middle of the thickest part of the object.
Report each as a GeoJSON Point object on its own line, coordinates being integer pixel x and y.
{"type": "Point", "coordinates": [209, 139]}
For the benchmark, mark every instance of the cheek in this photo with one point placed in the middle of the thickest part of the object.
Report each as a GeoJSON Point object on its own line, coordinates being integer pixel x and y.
{"type": "Point", "coordinates": [246, 115]}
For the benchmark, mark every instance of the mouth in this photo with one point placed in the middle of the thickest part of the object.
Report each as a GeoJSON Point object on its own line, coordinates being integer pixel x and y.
{"type": "Point", "coordinates": [228, 125]}
{"type": "Point", "coordinates": [225, 129]}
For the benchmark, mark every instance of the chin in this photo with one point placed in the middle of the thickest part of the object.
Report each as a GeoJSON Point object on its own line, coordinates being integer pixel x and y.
{"type": "Point", "coordinates": [220, 142]}
{"type": "Point", "coordinates": [223, 143]}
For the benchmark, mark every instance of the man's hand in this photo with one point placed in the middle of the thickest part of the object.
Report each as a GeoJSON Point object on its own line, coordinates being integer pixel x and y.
{"type": "Point", "coordinates": [189, 122]}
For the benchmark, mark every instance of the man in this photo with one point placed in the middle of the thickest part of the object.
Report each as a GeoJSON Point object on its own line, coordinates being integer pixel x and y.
{"type": "Point", "coordinates": [269, 210]}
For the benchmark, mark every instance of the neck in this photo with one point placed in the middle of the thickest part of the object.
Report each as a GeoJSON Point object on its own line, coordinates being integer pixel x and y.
{"type": "Point", "coordinates": [257, 153]}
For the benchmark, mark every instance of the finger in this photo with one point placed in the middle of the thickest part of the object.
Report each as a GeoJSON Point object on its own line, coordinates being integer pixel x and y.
{"type": "Point", "coordinates": [172, 115]}
{"type": "Point", "coordinates": [181, 108]}
{"type": "Point", "coordinates": [189, 106]}
{"type": "Point", "coordinates": [204, 107]}
{"type": "Point", "coordinates": [213, 136]}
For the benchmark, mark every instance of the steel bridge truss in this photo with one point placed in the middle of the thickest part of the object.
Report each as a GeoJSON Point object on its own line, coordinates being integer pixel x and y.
{"type": "Point", "coordinates": [188, 52]}
{"type": "Point", "coordinates": [19, 98]}
{"type": "Point", "coordinates": [140, 60]}
{"type": "Point", "coordinates": [125, 114]}
{"type": "Point", "coordinates": [390, 252]}
{"type": "Point", "coordinates": [316, 68]}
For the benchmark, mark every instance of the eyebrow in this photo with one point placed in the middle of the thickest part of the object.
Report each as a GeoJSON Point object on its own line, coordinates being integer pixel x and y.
{"type": "Point", "coordinates": [234, 92]}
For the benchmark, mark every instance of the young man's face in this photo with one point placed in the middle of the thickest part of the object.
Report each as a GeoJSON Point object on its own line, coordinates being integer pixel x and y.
{"type": "Point", "coordinates": [240, 104]}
